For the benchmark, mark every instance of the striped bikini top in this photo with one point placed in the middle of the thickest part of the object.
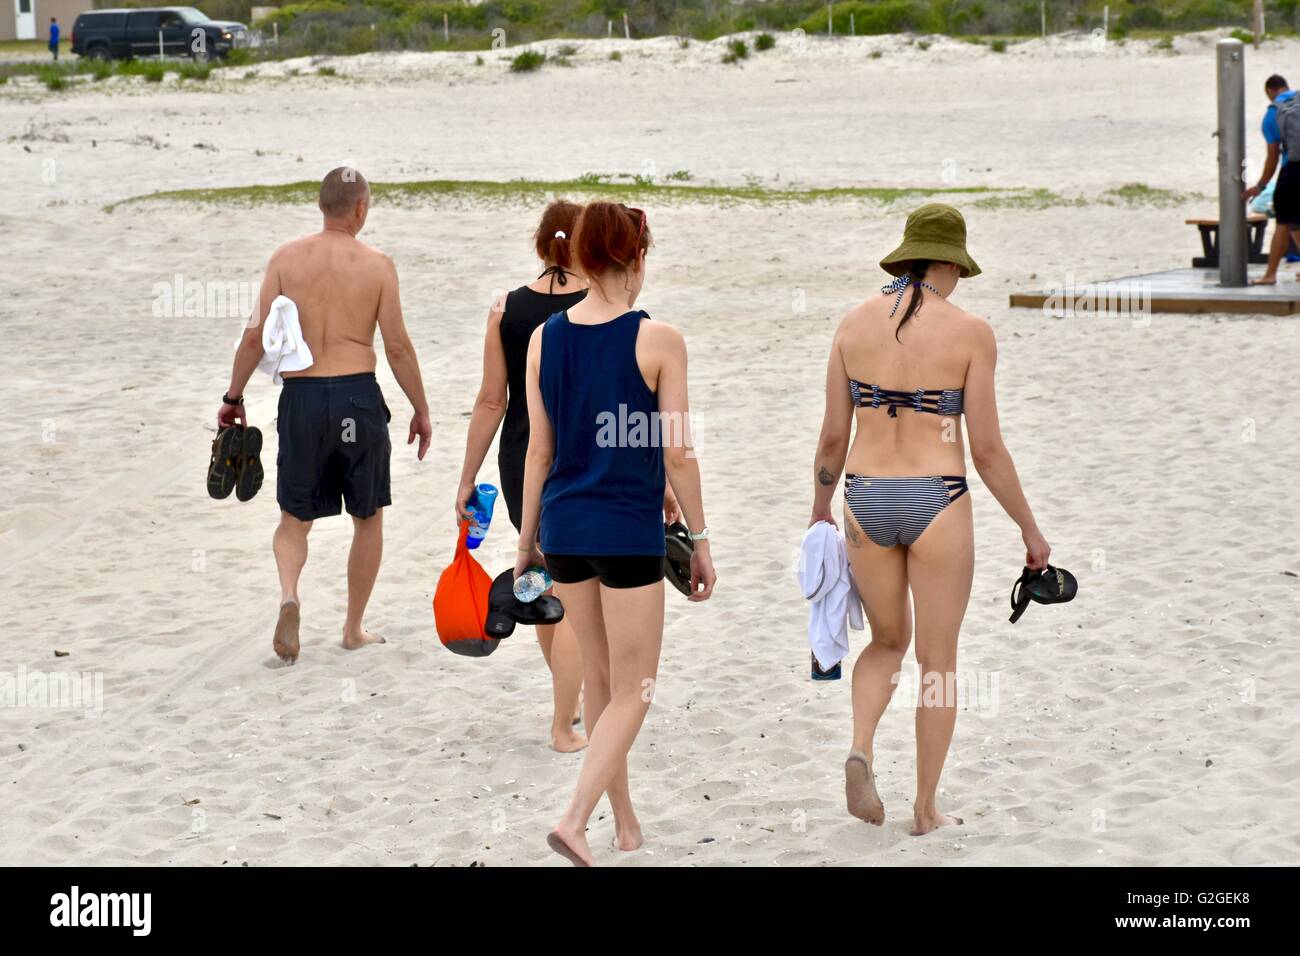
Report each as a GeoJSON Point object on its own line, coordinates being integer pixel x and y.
{"type": "Point", "coordinates": [947, 401]}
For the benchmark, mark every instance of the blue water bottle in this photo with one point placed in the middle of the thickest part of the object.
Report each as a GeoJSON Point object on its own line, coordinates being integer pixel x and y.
{"type": "Point", "coordinates": [480, 508]}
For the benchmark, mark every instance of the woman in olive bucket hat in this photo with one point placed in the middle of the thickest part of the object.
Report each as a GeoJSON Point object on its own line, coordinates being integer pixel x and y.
{"type": "Point", "coordinates": [906, 371]}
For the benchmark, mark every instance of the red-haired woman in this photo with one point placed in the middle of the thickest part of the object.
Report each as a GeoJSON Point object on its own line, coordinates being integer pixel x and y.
{"type": "Point", "coordinates": [608, 412]}
{"type": "Point", "coordinates": [502, 404]}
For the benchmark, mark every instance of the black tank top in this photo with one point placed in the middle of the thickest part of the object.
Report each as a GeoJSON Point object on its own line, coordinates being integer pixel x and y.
{"type": "Point", "coordinates": [525, 311]}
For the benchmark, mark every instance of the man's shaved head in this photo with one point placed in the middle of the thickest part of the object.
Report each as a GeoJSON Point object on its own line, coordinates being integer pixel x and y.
{"type": "Point", "coordinates": [341, 190]}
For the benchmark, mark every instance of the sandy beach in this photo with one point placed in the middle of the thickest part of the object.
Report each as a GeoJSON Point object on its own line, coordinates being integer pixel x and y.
{"type": "Point", "coordinates": [1154, 721]}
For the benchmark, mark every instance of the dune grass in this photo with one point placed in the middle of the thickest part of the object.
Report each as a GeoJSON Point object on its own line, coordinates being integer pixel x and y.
{"type": "Point", "coordinates": [61, 76]}
{"type": "Point", "coordinates": [737, 50]}
{"type": "Point", "coordinates": [527, 61]}
{"type": "Point", "coordinates": [1130, 194]}
{"type": "Point", "coordinates": [673, 188]}
{"type": "Point", "coordinates": [589, 186]}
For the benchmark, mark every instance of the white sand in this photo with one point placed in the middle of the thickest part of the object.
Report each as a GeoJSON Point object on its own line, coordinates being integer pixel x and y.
{"type": "Point", "coordinates": [1154, 721]}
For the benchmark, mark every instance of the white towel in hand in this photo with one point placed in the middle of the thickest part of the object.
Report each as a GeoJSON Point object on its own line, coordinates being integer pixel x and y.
{"type": "Point", "coordinates": [827, 583]}
{"type": "Point", "coordinates": [285, 348]}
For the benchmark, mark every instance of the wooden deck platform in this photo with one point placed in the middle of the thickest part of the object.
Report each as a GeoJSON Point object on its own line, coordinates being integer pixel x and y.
{"type": "Point", "coordinates": [1178, 290]}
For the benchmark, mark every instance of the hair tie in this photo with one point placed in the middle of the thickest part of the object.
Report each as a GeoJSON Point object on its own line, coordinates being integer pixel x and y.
{"type": "Point", "coordinates": [559, 234]}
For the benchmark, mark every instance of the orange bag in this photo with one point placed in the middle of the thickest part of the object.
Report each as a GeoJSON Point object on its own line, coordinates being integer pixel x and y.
{"type": "Point", "coordinates": [460, 603]}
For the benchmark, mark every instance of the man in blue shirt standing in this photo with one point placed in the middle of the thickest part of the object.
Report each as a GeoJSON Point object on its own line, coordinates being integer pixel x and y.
{"type": "Point", "coordinates": [54, 37]}
{"type": "Point", "coordinates": [1278, 93]}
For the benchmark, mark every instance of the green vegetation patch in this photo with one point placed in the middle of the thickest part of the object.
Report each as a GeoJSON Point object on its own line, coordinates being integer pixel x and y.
{"type": "Point", "coordinates": [590, 185]}
{"type": "Point", "coordinates": [527, 62]}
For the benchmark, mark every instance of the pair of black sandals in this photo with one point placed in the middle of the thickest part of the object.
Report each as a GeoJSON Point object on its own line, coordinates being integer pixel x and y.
{"type": "Point", "coordinates": [236, 463]}
{"type": "Point", "coordinates": [505, 610]}
{"type": "Point", "coordinates": [1048, 586]}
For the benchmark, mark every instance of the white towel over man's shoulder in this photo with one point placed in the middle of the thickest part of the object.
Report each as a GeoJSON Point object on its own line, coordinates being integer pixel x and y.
{"type": "Point", "coordinates": [282, 339]}
{"type": "Point", "coordinates": [827, 583]}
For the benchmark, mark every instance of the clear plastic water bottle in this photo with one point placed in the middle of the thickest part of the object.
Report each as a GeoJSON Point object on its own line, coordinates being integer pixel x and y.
{"type": "Point", "coordinates": [480, 507]}
{"type": "Point", "coordinates": [532, 584]}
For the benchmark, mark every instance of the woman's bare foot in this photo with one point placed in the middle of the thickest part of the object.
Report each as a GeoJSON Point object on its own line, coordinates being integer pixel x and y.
{"type": "Point", "coordinates": [628, 838]}
{"type": "Point", "coordinates": [1264, 280]}
{"type": "Point", "coordinates": [361, 639]}
{"type": "Point", "coordinates": [568, 741]}
{"type": "Point", "coordinates": [928, 819]}
{"type": "Point", "coordinates": [570, 844]}
{"type": "Point", "coordinates": [860, 789]}
{"type": "Point", "coordinates": [285, 642]}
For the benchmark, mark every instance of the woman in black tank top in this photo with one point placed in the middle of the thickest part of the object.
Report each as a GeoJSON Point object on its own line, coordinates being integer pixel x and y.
{"type": "Point", "coordinates": [501, 404]}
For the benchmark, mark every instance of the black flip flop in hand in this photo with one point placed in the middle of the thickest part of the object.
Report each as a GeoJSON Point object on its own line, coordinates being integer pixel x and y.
{"type": "Point", "coordinates": [1048, 586]}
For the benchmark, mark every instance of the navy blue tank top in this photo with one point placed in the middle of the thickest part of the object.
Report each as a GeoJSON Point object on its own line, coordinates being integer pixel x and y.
{"type": "Point", "coordinates": [604, 492]}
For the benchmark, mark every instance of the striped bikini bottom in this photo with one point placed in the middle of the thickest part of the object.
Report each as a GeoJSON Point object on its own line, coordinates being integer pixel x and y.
{"type": "Point", "coordinates": [895, 511]}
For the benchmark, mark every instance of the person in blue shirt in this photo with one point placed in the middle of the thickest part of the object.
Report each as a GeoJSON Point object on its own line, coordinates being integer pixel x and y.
{"type": "Point", "coordinates": [54, 37]}
{"type": "Point", "coordinates": [1278, 92]}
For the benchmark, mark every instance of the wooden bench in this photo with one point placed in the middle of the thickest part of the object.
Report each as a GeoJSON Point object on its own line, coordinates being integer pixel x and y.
{"type": "Point", "coordinates": [1256, 223]}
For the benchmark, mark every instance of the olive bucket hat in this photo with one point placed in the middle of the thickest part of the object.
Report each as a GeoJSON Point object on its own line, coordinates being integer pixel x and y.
{"type": "Point", "coordinates": [936, 232]}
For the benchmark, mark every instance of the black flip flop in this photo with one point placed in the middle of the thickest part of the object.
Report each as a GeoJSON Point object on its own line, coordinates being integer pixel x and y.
{"type": "Point", "coordinates": [498, 623]}
{"type": "Point", "coordinates": [1050, 586]}
{"type": "Point", "coordinates": [502, 601]}
{"type": "Point", "coordinates": [249, 470]}
{"type": "Point", "coordinates": [678, 548]}
{"type": "Point", "coordinates": [223, 467]}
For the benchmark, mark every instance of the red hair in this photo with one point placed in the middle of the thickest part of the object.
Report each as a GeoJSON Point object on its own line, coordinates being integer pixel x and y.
{"type": "Point", "coordinates": [609, 237]}
{"type": "Point", "coordinates": [555, 232]}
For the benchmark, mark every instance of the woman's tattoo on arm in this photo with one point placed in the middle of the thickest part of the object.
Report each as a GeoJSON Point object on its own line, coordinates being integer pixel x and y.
{"type": "Point", "coordinates": [824, 476]}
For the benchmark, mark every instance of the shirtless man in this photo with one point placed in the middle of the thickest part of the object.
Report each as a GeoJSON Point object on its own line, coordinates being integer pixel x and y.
{"type": "Point", "coordinates": [333, 422]}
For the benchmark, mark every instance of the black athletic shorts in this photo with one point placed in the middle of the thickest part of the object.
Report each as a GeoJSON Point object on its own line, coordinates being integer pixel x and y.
{"type": "Point", "coordinates": [614, 570]}
{"type": "Point", "coordinates": [1286, 195]}
{"type": "Point", "coordinates": [334, 447]}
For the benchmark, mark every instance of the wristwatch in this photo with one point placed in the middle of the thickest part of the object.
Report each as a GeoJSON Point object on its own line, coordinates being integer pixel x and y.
{"type": "Point", "coordinates": [701, 536]}
{"type": "Point", "coordinates": [226, 399]}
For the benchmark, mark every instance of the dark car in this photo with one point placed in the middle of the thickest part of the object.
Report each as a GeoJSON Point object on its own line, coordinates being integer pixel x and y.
{"type": "Point", "coordinates": [171, 31]}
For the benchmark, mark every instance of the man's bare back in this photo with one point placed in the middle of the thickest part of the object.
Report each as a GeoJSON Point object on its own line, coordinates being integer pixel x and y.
{"type": "Point", "coordinates": [339, 285]}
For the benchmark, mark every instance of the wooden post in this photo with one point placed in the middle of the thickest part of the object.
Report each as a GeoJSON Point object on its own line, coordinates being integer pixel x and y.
{"type": "Point", "coordinates": [853, 27]}
{"type": "Point", "coordinates": [830, 27]}
{"type": "Point", "coordinates": [1105, 22]}
{"type": "Point", "coordinates": [627, 31]}
{"type": "Point", "coordinates": [446, 29]}
{"type": "Point", "coordinates": [1042, 15]}
{"type": "Point", "coordinates": [160, 45]}
{"type": "Point", "coordinates": [1259, 22]}
{"type": "Point", "coordinates": [1231, 132]}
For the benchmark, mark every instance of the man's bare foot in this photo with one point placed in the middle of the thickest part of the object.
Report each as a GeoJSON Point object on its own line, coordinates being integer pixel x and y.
{"type": "Point", "coordinates": [929, 819]}
{"type": "Point", "coordinates": [285, 643]}
{"type": "Point", "coordinates": [860, 789]}
{"type": "Point", "coordinates": [1264, 280]}
{"type": "Point", "coordinates": [628, 838]}
{"type": "Point", "coordinates": [571, 845]}
{"type": "Point", "coordinates": [568, 741]}
{"type": "Point", "coordinates": [361, 639]}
